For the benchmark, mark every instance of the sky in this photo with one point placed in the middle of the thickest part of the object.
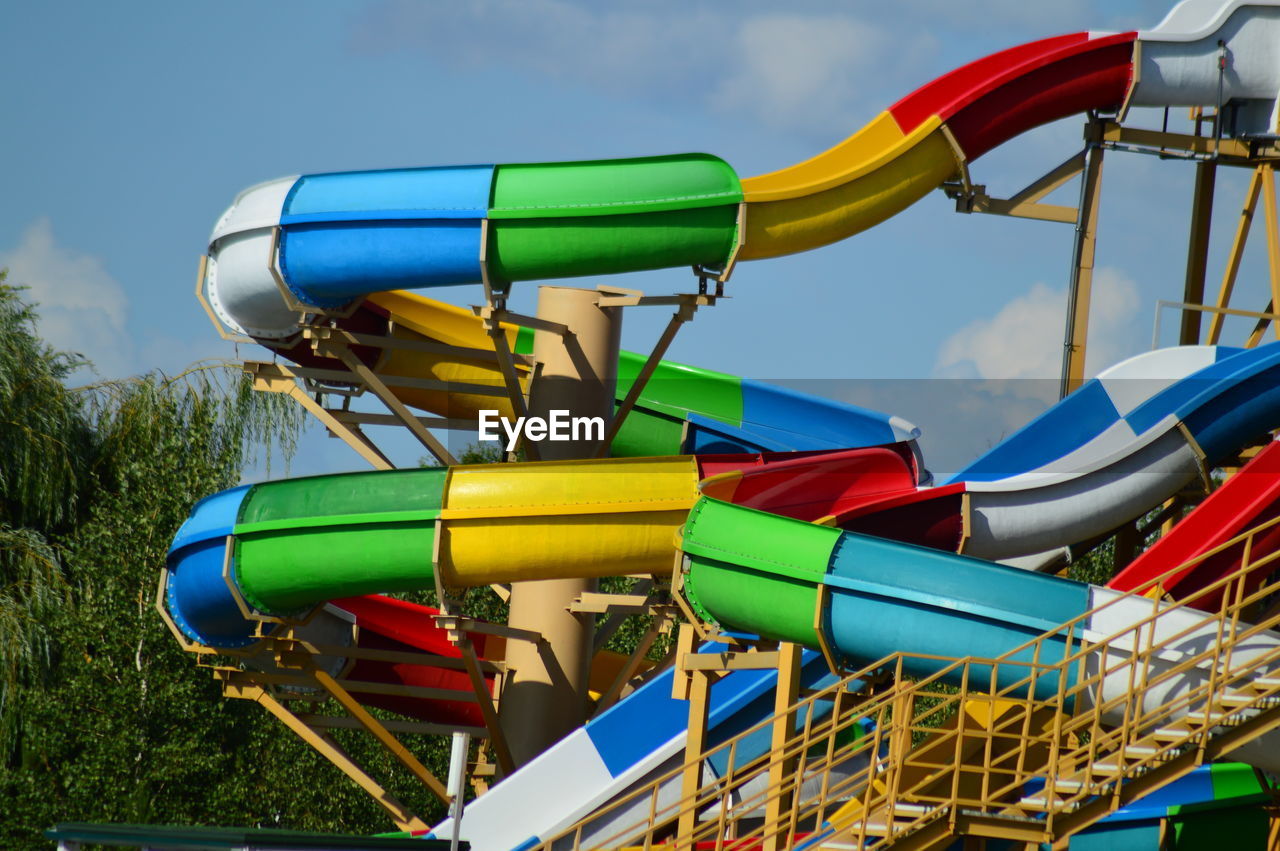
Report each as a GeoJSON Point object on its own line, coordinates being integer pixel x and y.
{"type": "Point", "coordinates": [130, 126]}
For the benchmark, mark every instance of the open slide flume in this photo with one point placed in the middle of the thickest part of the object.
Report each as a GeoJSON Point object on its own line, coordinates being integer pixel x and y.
{"type": "Point", "coordinates": [1125, 441]}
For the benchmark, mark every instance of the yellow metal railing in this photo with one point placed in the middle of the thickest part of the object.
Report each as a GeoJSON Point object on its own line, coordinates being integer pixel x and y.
{"type": "Point", "coordinates": [1033, 745]}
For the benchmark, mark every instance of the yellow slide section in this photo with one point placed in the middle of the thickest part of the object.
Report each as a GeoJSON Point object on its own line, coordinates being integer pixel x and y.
{"type": "Point", "coordinates": [874, 174]}
{"type": "Point", "coordinates": [514, 522]}
{"type": "Point", "coordinates": [417, 319]}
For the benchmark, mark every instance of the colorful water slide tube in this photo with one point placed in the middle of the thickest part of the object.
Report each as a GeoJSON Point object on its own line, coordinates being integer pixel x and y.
{"type": "Point", "coordinates": [1179, 62]}
{"type": "Point", "coordinates": [1247, 499]}
{"type": "Point", "coordinates": [331, 238]}
{"type": "Point", "coordinates": [1121, 444]}
{"type": "Point", "coordinates": [683, 409]}
{"type": "Point", "coordinates": [867, 598]}
{"type": "Point", "coordinates": [298, 543]}
{"type": "Point", "coordinates": [370, 622]}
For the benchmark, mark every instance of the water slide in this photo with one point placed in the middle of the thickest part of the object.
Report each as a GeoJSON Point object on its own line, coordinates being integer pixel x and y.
{"type": "Point", "coordinates": [1123, 442]}
{"type": "Point", "coordinates": [332, 238]}
{"type": "Point", "coordinates": [300, 542]}
{"type": "Point", "coordinates": [867, 598]}
{"type": "Point", "coordinates": [756, 561]}
{"type": "Point", "coordinates": [1249, 498]}
{"type": "Point", "coordinates": [329, 240]}
{"type": "Point", "coordinates": [297, 543]}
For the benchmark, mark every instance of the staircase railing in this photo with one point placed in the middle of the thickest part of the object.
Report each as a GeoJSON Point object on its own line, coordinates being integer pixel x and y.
{"type": "Point", "coordinates": [1033, 745]}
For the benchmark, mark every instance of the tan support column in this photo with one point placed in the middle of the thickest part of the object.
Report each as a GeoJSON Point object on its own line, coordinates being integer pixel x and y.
{"type": "Point", "coordinates": [694, 748]}
{"type": "Point", "coordinates": [547, 695]}
{"type": "Point", "coordinates": [1082, 254]}
{"type": "Point", "coordinates": [1198, 251]}
{"type": "Point", "coordinates": [782, 767]}
{"type": "Point", "coordinates": [1272, 218]}
{"type": "Point", "coordinates": [1237, 253]}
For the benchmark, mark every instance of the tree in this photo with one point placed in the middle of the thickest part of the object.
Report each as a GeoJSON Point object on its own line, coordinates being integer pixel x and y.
{"type": "Point", "coordinates": [104, 718]}
{"type": "Point", "coordinates": [46, 455]}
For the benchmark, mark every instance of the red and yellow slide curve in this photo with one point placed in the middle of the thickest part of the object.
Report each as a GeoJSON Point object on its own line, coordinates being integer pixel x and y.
{"type": "Point", "coordinates": [920, 142]}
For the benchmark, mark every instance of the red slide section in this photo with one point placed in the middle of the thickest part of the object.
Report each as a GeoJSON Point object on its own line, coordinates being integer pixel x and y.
{"type": "Point", "coordinates": [1247, 499]}
{"type": "Point", "coordinates": [385, 623]}
{"type": "Point", "coordinates": [993, 99]}
{"type": "Point", "coordinates": [810, 485]}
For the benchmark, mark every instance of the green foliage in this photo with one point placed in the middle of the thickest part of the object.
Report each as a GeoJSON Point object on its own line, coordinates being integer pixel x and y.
{"type": "Point", "coordinates": [104, 717]}
{"type": "Point", "coordinates": [481, 453]}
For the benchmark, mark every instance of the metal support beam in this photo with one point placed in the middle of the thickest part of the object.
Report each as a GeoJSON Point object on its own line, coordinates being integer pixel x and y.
{"type": "Point", "coordinates": [497, 738]}
{"type": "Point", "coordinates": [1272, 219]}
{"type": "Point", "coordinates": [1026, 203]}
{"type": "Point", "coordinates": [681, 316]}
{"type": "Point", "coordinates": [782, 767]}
{"type": "Point", "coordinates": [326, 747]}
{"type": "Point", "coordinates": [695, 745]}
{"type": "Point", "coordinates": [1082, 256]}
{"type": "Point", "coordinates": [381, 733]}
{"type": "Point", "coordinates": [1198, 250]}
{"type": "Point", "coordinates": [1237, 252]}
{"type": "Point", "coordinates": [274, 378]}
{"type": "Point", "coordinates": [406, 417]}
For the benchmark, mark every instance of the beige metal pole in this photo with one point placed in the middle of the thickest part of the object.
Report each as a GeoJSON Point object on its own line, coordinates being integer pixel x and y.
{"type": "Point", "coordinates": [1198, 251]}
{"type": "Point", "coordinates": [546, 697]}
{"type": "Point", "coordinates": [1081, 288]}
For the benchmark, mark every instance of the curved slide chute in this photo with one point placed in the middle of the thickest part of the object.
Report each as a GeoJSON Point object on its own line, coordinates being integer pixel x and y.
{"type": "Point", "coordinates": [1124, 442]}
{"type": "Point", "coordinates": [1247, 500]}
{"type": "Point", "coordinates": [331, 238]}
{"type": "Point", "coordinates": [328, 239]}
{"type": "Point", "coordinates": [297, 543]}
{"type": "Point", "coordinates": [867, 598]}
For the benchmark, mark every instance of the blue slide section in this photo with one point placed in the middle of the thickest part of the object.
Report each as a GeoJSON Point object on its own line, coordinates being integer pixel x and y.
{"type": "Point", "coordinates": [369, 227]}
{"type": "Point", "coordinates": [1220, 404]}
{"type": "Point", "coordinates": [201, 603]}
{"type": "Point", "coordinates": [1237, 407]}
{"type": "Point", "coordinates": [778, 419]}
{"type": "Point", "coordinates": [887, 596]}
{"type": "Point", "coordinates": [1071, 423]}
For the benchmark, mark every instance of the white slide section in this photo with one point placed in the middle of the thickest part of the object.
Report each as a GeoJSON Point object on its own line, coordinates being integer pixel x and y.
{"type": "Point", "coordinates": [1179, 60]}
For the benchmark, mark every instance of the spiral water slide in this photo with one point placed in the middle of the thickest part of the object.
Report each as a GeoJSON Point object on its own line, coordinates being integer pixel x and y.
{"type": "Point", "coordinates": [330, 240]}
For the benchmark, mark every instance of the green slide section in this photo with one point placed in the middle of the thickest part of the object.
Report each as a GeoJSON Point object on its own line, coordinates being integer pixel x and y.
{"type": "Point", "coordinates": [657, 424]}
{"type": "Point", "coordinates": [558, 220]}
{"type": "Point", "coordinates": [757, 571]}
{"type": "Point", "coordinates": [302, 540]}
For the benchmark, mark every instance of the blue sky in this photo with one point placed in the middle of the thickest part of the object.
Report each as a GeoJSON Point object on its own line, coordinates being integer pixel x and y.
{"type": "Point", "coordinates": [131, 125]}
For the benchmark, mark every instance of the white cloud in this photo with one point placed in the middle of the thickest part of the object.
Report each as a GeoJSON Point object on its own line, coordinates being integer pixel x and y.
{"type": "Point", "coordinates": [81, 307]}
{"type": "Point", "coordinates": [821, 70]}
{"type": "Point", "coordinates": [1024, 339]}
{"type": "Point", "coordinates": [789, 64]}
